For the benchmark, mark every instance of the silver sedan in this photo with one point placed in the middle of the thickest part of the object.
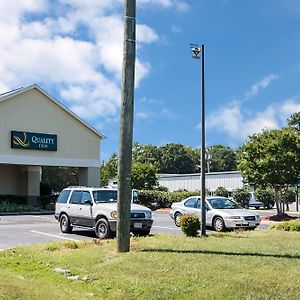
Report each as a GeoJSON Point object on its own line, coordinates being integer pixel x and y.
{"type": "Point", "coordinates": [221, 213]}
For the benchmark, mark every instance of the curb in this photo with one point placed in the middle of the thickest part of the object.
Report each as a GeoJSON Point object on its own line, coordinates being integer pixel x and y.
{"type": "Point", "coordinates": [27, 213]}
{"type": "Point", "coordinates": [163, 210]}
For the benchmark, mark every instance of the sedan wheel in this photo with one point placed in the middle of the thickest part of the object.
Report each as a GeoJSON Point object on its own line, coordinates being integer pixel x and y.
{"type": "Point", "coordinates": [218, 224]}
{"type": "Point", "coordinates": [177, 219]}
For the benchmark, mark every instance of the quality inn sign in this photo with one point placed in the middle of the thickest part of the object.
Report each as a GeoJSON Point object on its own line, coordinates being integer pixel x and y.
{"type": "Point", "coordinates": [33, 141]}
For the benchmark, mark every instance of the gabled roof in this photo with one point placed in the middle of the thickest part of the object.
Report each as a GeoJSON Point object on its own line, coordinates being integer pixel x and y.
{"type": "Point", "coordinates": [16, 92]}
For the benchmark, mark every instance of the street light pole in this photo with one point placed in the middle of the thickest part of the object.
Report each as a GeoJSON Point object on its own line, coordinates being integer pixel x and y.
{"type": "Point", "coordinates": [196, 51]}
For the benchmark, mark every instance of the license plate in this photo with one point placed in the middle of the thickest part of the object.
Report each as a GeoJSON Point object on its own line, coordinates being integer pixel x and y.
{"type": "Point", "coordinates": [252, 224]}
{"type": "Point", "coordinates": [138, 225]}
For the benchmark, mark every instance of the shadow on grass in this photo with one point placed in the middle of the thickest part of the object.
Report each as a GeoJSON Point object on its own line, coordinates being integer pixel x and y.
{"type": "Point", "coordinates": [210, 252]}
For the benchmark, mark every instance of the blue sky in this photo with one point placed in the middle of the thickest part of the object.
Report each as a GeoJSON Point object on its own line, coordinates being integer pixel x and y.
{"type": "Point", "coordinates": [73, 49]}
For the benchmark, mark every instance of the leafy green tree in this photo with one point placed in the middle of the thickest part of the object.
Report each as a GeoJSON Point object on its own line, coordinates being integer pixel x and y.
{"type": "Point", "coordinates": [145, 154]}
{"type": "Point", "coordinates": [294, 121]}
{"type": "Point", "coordinates": [57, 178]}
{"type": "Point", "coordinates": [220, 158]}
{"type": "Point", "coordinates": [176, 159]}
{"type": "Point", "coordinates": [109, 170]}
{"type": "Point", "coordinates": [221, 191]}
{"type": "Point", "coordinates": [265, 195]}
{"type": "Point", "coordinates": [271, 158]}
{"type": "Point", "coordinates": [242, 196]}
{"type": "Point", "coordinates": [288, 196]}
{"type": "Point", "coordinates": [143, 176]}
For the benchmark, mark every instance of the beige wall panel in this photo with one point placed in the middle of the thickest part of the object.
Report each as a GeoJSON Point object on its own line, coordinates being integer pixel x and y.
{"type": "Point", "coordinates": [9, 178]}
{"type": "Point", "coordinates": [32, 111]}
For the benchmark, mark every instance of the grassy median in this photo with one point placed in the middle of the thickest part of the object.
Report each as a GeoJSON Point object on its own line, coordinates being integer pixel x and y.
{"type": "Point", "coordinates": [244, 265]}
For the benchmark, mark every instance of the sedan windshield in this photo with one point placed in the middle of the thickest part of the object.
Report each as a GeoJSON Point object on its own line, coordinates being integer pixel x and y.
{"type": "Point", "coordinates": [223, 203]}
{"type": "Point", "coordinates": [102, 196]}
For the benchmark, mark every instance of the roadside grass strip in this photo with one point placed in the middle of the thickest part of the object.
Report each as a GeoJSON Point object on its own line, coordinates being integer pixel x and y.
{"type": "Point", "coordinates": [54, 236]}
{"type": "Point", "coordinates": [239, 265]}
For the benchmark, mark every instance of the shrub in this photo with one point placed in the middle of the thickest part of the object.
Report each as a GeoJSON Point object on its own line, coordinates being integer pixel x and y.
{"type": "Point", "coordinates": [13, 207]}
{"type": "Point", "coordinates": [265, 195]}
{"type": "Point", "coordinates": [221, 191]}
{"type": "Point", "coordinates": [292, 225]}
{"type": "Point", "coordinates": [156, 199]}
{"type": "Point", "coordinates": [47, 201]}
{"type": "Point", "coordinates": [13, 199]}
{"type": "Point", "coordinates": [190, 225]}
{"type": "Point", "coordinates": [242, 196]}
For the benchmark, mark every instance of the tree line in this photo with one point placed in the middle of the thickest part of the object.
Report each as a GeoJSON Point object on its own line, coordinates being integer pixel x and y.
{"type": "Point", "coordinates": [149, 160]}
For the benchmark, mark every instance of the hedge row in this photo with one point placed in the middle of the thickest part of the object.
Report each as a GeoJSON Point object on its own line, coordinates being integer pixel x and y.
{"type": "Point", "coordinates": [19, 200]}
{"type": "Point", "coordinates": [158, 199]}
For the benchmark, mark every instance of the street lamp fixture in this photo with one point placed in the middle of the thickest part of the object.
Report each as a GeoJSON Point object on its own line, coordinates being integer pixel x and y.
{"type": "Point", "coordinates": [197, 53]}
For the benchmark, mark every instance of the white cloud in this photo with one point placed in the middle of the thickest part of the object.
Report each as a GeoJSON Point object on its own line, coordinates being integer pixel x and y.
{"type": "Point", "coordinates": [262, 84]}
{"type": "Point", "coordinates": [179, 5]}
{"type": "Point", "coordinates": [239, 124]}
{"type": "Point", "coordinates": [176, 29]}
{"type": "Point", "coordinates": [73, 46]}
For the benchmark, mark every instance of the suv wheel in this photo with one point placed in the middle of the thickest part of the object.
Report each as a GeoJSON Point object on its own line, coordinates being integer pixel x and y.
{"type": "Point", "coordinates": [102, 229]}
{"type": "Point", "coordinates": [64, 222]}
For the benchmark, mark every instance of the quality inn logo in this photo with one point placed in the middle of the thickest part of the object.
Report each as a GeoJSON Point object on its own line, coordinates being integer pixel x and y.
{"type": "Point", "coordinates": [21, 140]}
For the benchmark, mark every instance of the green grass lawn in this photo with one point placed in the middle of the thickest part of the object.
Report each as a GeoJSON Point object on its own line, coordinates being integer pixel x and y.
{"type": "Point", "coordinates": [246, 265]}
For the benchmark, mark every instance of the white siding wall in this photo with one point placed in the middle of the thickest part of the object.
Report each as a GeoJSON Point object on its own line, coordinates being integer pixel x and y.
{"type": "Point", "coordinates": [191, 182]}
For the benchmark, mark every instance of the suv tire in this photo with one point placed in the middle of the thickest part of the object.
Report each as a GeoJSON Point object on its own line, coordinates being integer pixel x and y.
{"type": "Point", "coordinates": [102, 229]}
{"type": "Point", "coordinates": [64, 222]}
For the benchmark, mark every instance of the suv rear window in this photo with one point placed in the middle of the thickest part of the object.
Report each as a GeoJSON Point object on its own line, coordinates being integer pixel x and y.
{"type": "Point", "coordinates": [63, 197]}
{"type": "Point", "coordinates": [106, 196]}
{"type": "Point", "coordinates": [76, 197]}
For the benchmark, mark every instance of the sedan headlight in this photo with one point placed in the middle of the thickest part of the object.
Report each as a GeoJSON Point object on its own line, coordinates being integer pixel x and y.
{"type": "Point", "coordinates": [114, 214]}
{"type": "Point", "coordinates": [258, 218]}
{"type": "Point", "coordinates": [233, 217]}
{"type": "Point", "coordinates": [148, 214]}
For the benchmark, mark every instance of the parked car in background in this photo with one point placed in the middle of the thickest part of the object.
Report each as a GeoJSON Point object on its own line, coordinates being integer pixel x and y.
{"type": "Point", "coordinates": [96, 208]}
{"type": "Point", "coordinates": [253, 202]}
{"type": "Point", "coordinates": [221, 213]}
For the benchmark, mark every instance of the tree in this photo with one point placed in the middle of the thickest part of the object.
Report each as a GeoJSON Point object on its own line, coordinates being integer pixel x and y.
{"type": "Point", "coordinates": [109, 170]}
{"type": "Point", "coordinates": [265, 195]}
{"type": "Point", "coordinates": [221, 191]}
{"type": "Point", "coordinates": [242, 196]}
{"type": "Point", "coordinates": [143, 176]}
{"type": "Point", "coordinates": [58, 178]}
{"type": "Point", "coordinates": [176, 159]}
{"type": "Point", "coordinates": [271, 158]}
{"type": "Point", "coordinates": [294, 121]}
{"type": "Point", "coordinates": [145, 154]}
{"type": "Point", "coordinates": [221, 158]}
{"type": "Point", "coordinates": [289, 196]}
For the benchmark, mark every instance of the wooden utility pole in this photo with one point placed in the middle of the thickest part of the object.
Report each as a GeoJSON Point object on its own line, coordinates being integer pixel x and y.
{"type": "Point", "coordinates": [126, 128]}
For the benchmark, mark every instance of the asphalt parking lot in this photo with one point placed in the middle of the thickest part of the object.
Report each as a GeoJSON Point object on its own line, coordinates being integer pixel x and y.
{"type": "Point", "coordinates": [21, 230]}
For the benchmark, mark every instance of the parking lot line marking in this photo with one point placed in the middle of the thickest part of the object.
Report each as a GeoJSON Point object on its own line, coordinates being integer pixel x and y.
{"type": "Point", "coordinates": [53, 235]}
{"type": "Point", "coordinates": [165, 227]}
{"type": "Point", "coordinates": [47, 218]}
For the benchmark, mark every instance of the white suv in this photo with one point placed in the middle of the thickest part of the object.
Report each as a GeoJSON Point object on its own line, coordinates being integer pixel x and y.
{"type": "Point", "coordinates": [97, 208]}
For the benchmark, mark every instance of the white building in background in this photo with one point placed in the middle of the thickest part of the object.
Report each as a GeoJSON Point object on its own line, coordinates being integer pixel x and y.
{"type": "Point", "coordinates": [230, 180]}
